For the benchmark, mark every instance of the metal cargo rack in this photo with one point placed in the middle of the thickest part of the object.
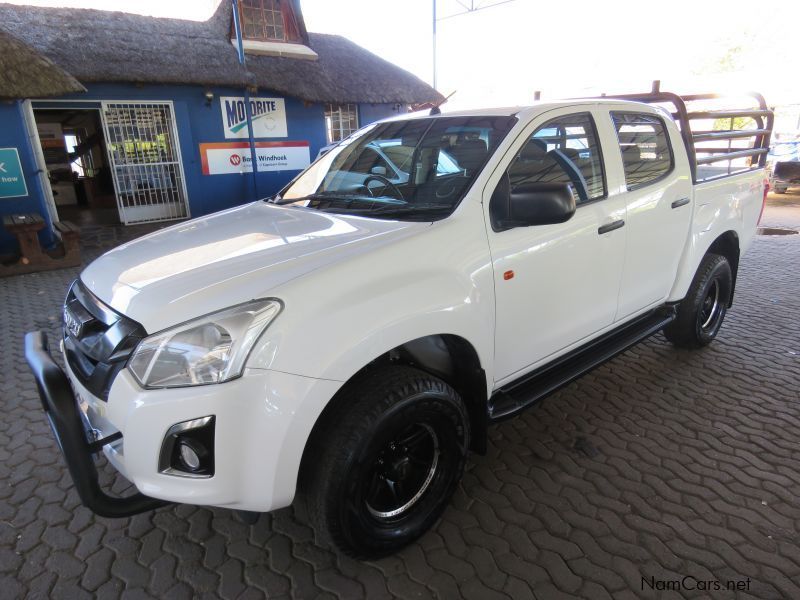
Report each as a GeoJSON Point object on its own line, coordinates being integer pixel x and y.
{"type": "Point", "coordinates": [701, 155]}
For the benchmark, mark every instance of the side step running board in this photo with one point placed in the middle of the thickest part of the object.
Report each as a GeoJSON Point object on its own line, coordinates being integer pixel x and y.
{"type": "Point", "coordinates": [529, 389]}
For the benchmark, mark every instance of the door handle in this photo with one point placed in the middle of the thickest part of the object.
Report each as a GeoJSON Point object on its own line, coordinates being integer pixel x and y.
{"type": "Point", "coordinates": [681, 202]}
{"type": "Point", "coordinates": [611, 227]}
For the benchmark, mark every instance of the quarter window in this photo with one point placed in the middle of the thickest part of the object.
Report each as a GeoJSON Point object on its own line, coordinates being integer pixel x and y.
{"type": "Point", "coordinates": [643, 141]}
{"type": "Point", "coordinates": [563, 150]}
{"type": "Point", "coordinates": [340, 121]}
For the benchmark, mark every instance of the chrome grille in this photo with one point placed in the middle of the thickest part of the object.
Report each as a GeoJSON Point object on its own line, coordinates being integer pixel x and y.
{"type": "Point", "coordinates": [97, 340]}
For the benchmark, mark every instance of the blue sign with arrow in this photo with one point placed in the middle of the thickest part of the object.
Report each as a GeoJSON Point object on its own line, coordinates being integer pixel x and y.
{"type": "Point", "coordinates": [12, 179]}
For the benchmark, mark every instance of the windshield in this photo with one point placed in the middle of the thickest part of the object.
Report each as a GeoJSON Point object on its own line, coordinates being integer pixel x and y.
{"type": "Point", "coordinates": [417, 169]}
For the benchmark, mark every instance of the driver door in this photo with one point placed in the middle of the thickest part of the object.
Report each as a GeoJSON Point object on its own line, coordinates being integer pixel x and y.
{"type": "Point", "coordinates": [556, 285]}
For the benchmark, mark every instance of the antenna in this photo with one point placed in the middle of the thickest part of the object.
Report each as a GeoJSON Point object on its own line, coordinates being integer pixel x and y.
{"type": "Point", "coordinates": [435, 110]}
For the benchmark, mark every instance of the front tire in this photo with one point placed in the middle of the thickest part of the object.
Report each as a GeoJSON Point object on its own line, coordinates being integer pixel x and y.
{"type": "Point", "coordinates": [701, 312]}
{"type": "Point", "coordinates": [385, 462]}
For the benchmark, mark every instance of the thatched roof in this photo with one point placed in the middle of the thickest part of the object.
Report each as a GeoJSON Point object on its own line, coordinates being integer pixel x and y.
{"type": "Point", "coordinates": [105, 46]}
{"type": "Point", "coordinates": [24, 73]}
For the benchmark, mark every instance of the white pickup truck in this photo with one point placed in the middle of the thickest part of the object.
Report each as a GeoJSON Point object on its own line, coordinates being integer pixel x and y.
{"type": "Point", "coordinates": [347, 342]}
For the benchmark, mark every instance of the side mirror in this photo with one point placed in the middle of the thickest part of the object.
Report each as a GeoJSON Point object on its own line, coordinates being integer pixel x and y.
{"type": "Point", "coordinates": [541, 203]}
{"type": "Point", "coordinates": [531, 204]}
{"type": "Point", "coordinates": [378, 170]}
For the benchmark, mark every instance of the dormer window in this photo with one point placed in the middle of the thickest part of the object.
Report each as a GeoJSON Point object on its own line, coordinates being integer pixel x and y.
{"type": "Point", "coordinates": [273, 28]}
{"type": "Point", "coordinates": [262, 20]}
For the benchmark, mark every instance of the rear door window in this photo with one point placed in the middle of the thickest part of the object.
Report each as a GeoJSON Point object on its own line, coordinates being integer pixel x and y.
{"type": "Point", "coordinates": [643, 142]}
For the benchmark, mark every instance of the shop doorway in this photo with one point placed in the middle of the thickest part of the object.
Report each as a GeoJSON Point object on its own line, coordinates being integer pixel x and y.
{"type": "Point", "coordinates": [113, 162]}
{"type": "Point", "coordinates": [75, 158]}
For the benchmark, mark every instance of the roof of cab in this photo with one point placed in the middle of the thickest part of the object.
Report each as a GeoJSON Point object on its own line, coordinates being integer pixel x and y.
{"type": "Point", "coordinates": [524, 111]}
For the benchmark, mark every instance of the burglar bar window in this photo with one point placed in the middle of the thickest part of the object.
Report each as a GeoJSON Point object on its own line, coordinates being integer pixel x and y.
{"type": "Point", "coordinates": [340, 121]}
{"type": "Point", "coordinates": [262, 20]}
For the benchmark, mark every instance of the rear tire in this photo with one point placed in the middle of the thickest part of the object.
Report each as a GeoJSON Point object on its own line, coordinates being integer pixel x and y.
{"type": "Point", "coordinates": [781, 190]}
{"type": "Point", "coordinates": [701, 312]}
{"type": "Point", "coordinates": [385, 462]}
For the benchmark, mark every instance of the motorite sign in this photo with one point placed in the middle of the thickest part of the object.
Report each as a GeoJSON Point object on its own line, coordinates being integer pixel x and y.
{"type": "Point", "coordinates": [268, 114]}
{"type": "Point", "coordinates": [234, 157]}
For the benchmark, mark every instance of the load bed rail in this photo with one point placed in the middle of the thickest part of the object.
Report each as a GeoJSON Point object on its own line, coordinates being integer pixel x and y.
{"type": "Point", "coordinates": [742, 142]}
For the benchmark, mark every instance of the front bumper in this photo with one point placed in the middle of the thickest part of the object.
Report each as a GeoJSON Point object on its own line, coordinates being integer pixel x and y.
{"type": "Point", "coordinates": [62, 412]}
{"type": "Point", "coordinates": [262, 422]}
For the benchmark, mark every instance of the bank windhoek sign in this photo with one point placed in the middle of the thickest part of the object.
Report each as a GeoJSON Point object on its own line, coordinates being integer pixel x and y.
{"type": "Point", "coordinates": [224, 158]}
{"type": "Point", "coordinates": [268, 114]}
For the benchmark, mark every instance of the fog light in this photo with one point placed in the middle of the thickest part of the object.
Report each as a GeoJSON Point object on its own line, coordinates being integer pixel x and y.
{"type": "Point", "coordinates": [189, 456]}
{"type": "Point", "coordinates": [188, 449]}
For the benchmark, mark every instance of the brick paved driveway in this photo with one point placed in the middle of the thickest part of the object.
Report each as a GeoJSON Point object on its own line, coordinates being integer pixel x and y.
{"type": "Point", "coordinates": [660, 464]}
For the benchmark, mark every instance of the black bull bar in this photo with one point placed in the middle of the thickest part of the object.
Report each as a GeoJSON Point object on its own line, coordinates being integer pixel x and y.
{"type": "Point", "coordinates": [61, 410]}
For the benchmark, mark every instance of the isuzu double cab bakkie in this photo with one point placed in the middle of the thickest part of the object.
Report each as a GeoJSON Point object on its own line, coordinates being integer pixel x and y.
{"type": "Point", "coordinates": [348, 341]}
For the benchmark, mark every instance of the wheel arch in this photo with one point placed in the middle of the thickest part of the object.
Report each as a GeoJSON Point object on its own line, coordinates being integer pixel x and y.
{"type": "Point", "coordinates": [449, 357]}
{"type": "Point", "coordinates": [727, 245]}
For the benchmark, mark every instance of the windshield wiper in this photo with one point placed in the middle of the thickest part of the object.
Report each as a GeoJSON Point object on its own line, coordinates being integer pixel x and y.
{"type": "Point", "coordinates": [319, 196]}
{"type": "Point", "coordinates": [334, 197]}
{"type": "Point", "coordinates": [408, 209]}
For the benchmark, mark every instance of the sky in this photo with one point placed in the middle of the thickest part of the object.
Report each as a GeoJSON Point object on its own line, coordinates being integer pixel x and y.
{"type": "Point", "coordinates": [501, 55]}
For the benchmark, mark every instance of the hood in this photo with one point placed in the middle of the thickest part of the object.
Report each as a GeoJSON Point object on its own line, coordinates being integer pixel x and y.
{"type": "Point", "coordinates": [211, 263]}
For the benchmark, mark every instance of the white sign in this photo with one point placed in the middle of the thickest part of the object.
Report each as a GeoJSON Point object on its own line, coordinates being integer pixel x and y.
{"type": "Point", "coordinates": [268, 115]}
{"type": "Point", "coordinates": [234, 157]}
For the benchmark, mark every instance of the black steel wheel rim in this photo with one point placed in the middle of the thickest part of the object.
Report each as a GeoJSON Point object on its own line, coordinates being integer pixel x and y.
{"type": "Point", "coordinates": [711, 307]}
{"type": "Point", "coordinates": [403, 471]}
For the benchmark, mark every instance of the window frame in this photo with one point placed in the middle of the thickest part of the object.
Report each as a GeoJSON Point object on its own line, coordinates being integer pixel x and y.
{"type": "Point", "coordinates": [338, 107]}
{"type": "Point", "coordinates": [603, 169]}
{"type": "Point", "coordinates": [278, 13]}
{"type": "Point", "coordinates": [667, 135]}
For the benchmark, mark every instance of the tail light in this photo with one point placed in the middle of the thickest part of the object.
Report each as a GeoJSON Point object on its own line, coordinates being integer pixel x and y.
{"type": "Point", "coordinates": [763, 200]}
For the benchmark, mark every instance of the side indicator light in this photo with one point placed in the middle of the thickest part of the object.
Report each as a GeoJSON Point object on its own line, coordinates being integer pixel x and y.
{"type": "Point", "coordinates": [508, 275]}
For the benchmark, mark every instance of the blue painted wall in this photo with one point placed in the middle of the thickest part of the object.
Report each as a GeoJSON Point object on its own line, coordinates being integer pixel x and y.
{"type": "Point", "coordinates": [197, 123]}
{"type": "Point", "coordinates": [369, 113]}
{"type": "Point", "coordinates": [13, 135]}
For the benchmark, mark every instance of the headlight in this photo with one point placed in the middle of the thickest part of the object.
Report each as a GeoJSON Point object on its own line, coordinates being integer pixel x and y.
{"type": "Point", "coordinates": [211, 349]}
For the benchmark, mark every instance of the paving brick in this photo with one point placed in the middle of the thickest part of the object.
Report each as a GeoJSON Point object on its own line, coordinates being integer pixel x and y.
{"type": "Point", "coordinates": [403, 587]}
{"type": "Point", "coordinates": [65, 565]}
{"type": "Point", "coordinates": [98, 569]}
{"type": "Point", "coordinates": [486, 568]}
{"type": "Point", "coordinates": [606, 576]}
{"type": "Point", "coordinates": [517, 589]}
{"type": "Point", "coordinates": [231, 579]}
{"type": "Point", "coordinates": [559, 571]}
{"type": "Point", "coordinates": [476, 590]}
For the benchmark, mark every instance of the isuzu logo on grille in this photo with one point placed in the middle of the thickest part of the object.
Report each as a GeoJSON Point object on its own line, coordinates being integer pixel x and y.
{"type": "Point", "coordinates": [72, 323]}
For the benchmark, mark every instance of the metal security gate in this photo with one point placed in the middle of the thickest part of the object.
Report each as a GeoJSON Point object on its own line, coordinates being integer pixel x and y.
{"type": "Point", "coordinates": [145, 160]}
